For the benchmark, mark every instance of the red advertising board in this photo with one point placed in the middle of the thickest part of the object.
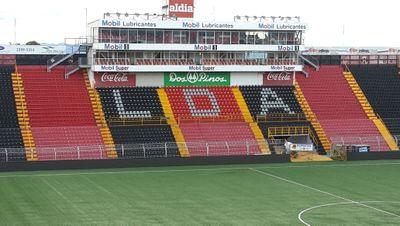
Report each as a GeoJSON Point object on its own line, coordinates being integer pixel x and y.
{"type": "Point", "coordinates": [278, 79]}
{"type": "Point", "coordinates": [106, 79]}
{"type": "Point", "coordinates": [181, 8]}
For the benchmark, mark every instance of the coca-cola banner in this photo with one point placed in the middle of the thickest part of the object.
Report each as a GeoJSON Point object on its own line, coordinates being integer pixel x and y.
{"type": "Point", "coordinates": [106, 79]}
{"type": "Point", "coordinates": [278, 79]}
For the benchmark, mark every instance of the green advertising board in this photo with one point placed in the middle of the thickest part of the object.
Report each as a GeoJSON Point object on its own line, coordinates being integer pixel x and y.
{"type": "Point", "coordinates": [197, 79]}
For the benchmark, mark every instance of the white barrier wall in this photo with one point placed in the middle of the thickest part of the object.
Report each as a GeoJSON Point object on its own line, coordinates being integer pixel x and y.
{"type": "Point", "coordinates": [243, 79]}
{"type": "Point", "coordinates": [150, 79]}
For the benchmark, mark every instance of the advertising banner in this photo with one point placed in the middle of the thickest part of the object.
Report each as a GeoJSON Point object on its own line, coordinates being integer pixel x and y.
{"type": "Point", "coordinates": [181, 8]}
{"type": "Point", "coordinates": [32, 49]}
{"type": "Point", "coordinates": [197, 79]}
{"type": "Point", "coordinates": [106, 79]}
{"type": "Point", "coordinates": [196, 47]}
{"type": "Point", "coordinates": [197, 68]}
{"type": "Point", "coordinates": [198, 25]}
{"type": "Point", "coordinates": [301, 147]}
{"type": "Point", "coordinates": [278, 79]}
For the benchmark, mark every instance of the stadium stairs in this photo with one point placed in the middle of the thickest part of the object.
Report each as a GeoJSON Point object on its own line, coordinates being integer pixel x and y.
{"type": "Point", "coordinates": [100, 119]}
{"type": "Point", "coordinates": [369, 111]}
{"type": "Point", "coordinates": [137, 122]}
{"type": "Point", "coordinates": [278, 112]}
{"type": "Point", "coordinates": [212, 122]}
{"type": "Point", "coordinates": [177, 132]}
{"type": "Point", "coordinates": [23, 117]}
{"type": "Point", "coordinates": [11, 141]}
{"type": "Point", "coordinates": [338, 110]}
{"type": "Point", "coordinates": [312, 118]}
{"type": "Point", "coordinates": [380, 84]}
{"type": "Point", "coordinates": [61, 115]}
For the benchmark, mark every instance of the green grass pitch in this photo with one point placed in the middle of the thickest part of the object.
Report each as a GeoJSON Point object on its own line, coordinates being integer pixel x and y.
{"type": "Point", "coordinates": [354, 193]}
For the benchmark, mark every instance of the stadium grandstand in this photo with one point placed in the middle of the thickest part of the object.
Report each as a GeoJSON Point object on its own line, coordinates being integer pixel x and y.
{"type": "Point", "coordinates": [167, 89]}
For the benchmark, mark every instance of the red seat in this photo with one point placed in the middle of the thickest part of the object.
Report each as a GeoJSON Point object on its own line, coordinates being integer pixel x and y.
{"type": "Point", "coordinates": [338, 110]}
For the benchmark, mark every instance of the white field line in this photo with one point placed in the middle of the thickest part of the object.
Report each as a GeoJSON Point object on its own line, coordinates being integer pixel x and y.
{"type": "Point", "coordinates": [323, 192]}
{"type": "Point", "coordinates": [134, 171]}
{"type": "Point", "coordinates": [300, 215]}
{"type": "Point", "coordinates": [64, 197]}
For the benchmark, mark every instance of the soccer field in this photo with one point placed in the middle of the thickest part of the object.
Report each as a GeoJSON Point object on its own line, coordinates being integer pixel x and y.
{"type": "Point", "coordinates": [352, 193]}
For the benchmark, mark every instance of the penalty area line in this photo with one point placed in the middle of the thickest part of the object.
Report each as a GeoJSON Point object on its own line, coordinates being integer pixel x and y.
{"type": "Point", "coordinates": [322, 192]}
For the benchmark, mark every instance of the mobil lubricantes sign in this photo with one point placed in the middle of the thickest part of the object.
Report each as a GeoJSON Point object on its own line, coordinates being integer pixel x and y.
{"type": "Point", "coordinates": [197, 79]}
{"type": "Point", "coordinates": [181, 8]}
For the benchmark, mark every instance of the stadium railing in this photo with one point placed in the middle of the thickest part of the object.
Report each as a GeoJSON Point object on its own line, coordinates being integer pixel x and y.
{"type": "Point", "coordinates": [380, 142]}
{"type": "Point", "coordinates": [138, 151]}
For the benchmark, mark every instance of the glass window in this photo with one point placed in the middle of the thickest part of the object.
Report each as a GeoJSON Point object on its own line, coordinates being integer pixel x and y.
{"type": "Point", "coordinates": [139, 55]}
{"type": "Point", "coordinates": [193, 37]}
{"type": "Point", "coordinates": [250, 38]}
{"type": "Point", "coordinates": [282, 38]}
{"type": "Point", "coordinates": [185, 37]}
{"type": "Point", "coordinates": [202, 37]}
{"type": "Point", "coordinates": [259, 38]}
{"type": "Point", "coordinates": [242, 38]}
{"type": "Point", "coordinates": [174, 55]}
{"type": "Point", "coordinates": [177, 37]}
{"type": "Point", "coordinates": [115, 36]}
{"type": "Point", "coordinates": [159, 36]}
{"type": "Point", "coordinates": [142, 36]}
{"type": "Point", "coordinates": [150, 36]}
{"type": "Point", "coordinates": [235, 37]}
{"type": "Point", "coordinates": [105, 35]}
{"type": "Point", "coordinates": [124, 36]}
{"type": "Point", "coordinates": [226, 38]}
{"type": "Point", "coordinates": [133, 36]}
{"type": "Point", "coordinates": [210, 37]}
{"type": "Point", "coordinates": [167, 37]}
{"type": "Point", "coordinates": [274, 38]}
{"type": "Point", "coordinates": [291, 38]}
{"type": "Point", "coordinates": [218, 37]}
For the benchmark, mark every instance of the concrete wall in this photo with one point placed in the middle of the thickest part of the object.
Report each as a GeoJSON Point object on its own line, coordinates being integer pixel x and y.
{"type": "Point", "coordinates": [241, 79]}
{"type": "Point", "coordinates": [149, 79]}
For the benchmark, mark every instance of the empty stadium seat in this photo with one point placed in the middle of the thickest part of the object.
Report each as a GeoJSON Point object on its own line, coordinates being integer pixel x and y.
{"type": "Point", "coordinates": [211, 121]}
{"type": "Point", "coordinates": [130, 103]}
{"type": "Point", "coordinates": [144, 141]}
{"type": "Point", "coordinates": [137, 141]}
{"type": "Point", "coordinates": [264, 100]}
{"type": "Point", "coordinates": [338, 110]}
{"type": "Point", "coordinates": [61, 115]}
{"type": "Point", "coordinates": [219, 139]}
{"type": "Point", "coordinates": [278, 104]}
{"type": "Point", "coordinates": [380, 84]}
{"type": "Point", "coordinates": [10, 133]}
{"type": "Point", "coordinates": [193, 103]}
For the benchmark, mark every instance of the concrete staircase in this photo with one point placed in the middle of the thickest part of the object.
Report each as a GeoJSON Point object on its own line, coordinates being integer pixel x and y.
{"type": "Point", "coordinates": [100, 119]}
{"type": "Point", "coordinates": [23, 117]}
{"type": "Point", "coordinates": [311, 117]}
{"type": "Point", "coordinates": [369, 111]}
{"type": "Point", "coordinates": [262, 143]}
{"type": "Point", "coordinates": [178, 135]}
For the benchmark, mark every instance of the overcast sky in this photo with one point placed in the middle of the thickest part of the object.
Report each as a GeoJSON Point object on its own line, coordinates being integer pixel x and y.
{"type": "Point", "coordinates": [366, 22]}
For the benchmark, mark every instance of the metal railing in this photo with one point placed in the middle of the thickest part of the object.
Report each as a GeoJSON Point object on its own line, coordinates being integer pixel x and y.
{"type": "Point", "coordinates": [209, 119]}
{"type": "Point", "coordinates": [281, 117]}
{"type": "Point", "coordinates": [376, 143]}
{"type": "Point", "coordinates": [135, 151]}
{"type": "Point", "coordinates": [137, 121]}
{"type": "Point", "coordinates": [178, 61]}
